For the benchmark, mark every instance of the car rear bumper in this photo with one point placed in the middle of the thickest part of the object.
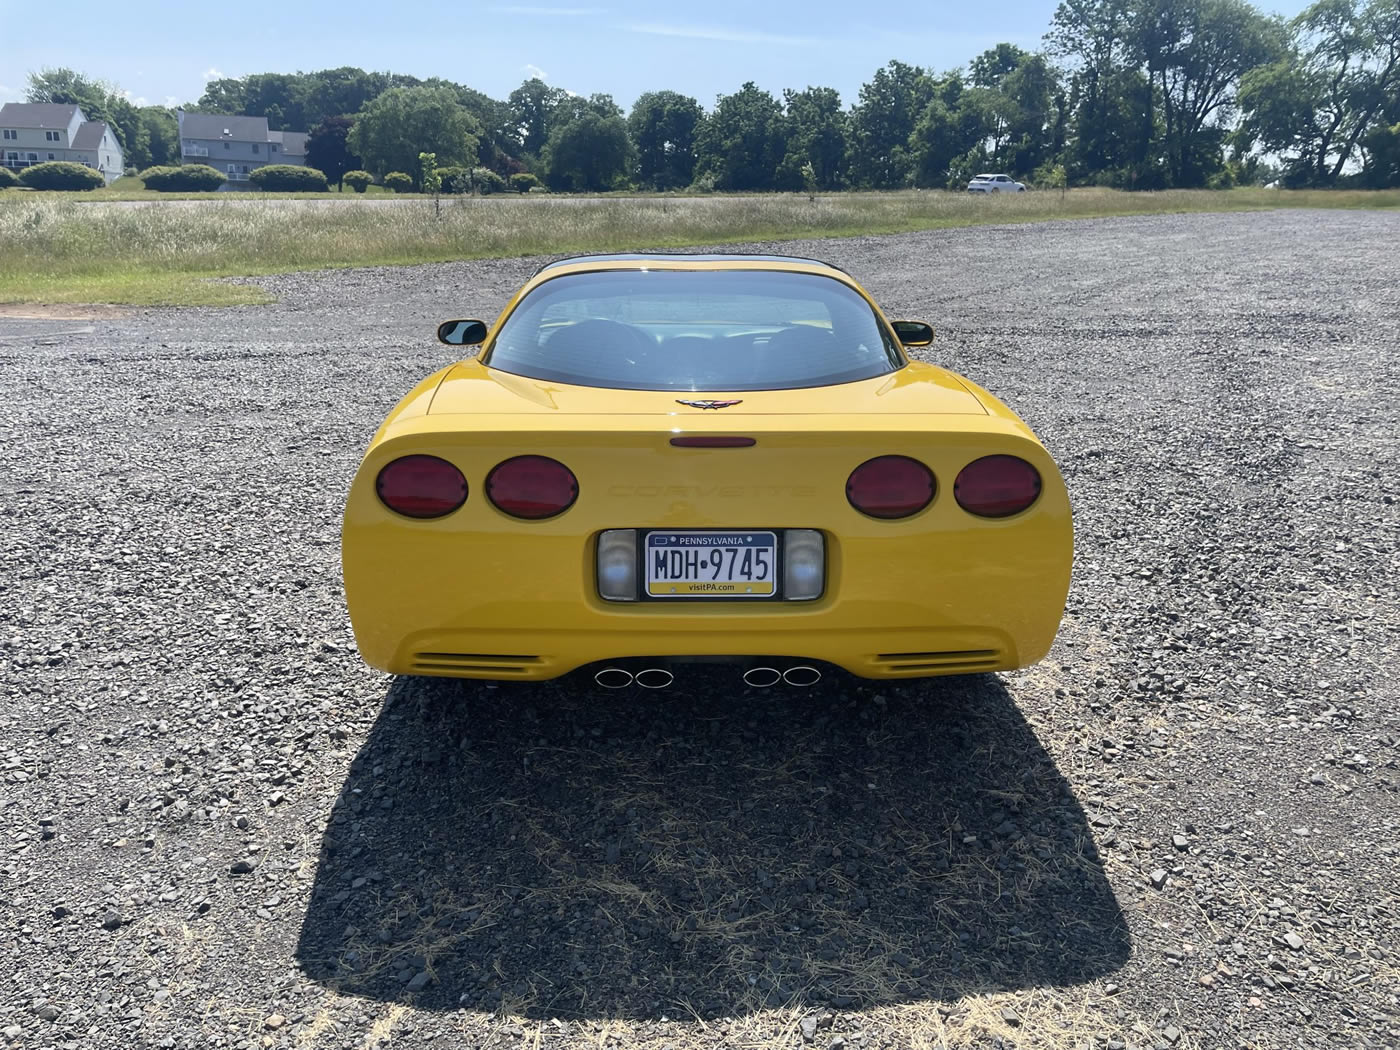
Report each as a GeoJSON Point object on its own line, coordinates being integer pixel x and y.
{"type": "Point", "coordinates": [901, 605]}
{"type": "Point", "coordinates": [476, 594]}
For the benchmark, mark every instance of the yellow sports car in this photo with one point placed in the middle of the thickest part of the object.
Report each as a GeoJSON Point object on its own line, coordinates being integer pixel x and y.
{"type": "Point", "coordinates": [662, 460]}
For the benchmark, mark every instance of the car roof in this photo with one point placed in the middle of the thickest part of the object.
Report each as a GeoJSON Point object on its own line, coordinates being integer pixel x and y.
{"type": "Point", "coordinates": [683, 257]}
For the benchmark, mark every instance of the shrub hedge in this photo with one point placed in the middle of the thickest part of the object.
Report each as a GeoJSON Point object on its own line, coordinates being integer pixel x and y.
{"type": "Point", "coordinates": [455, 180]}
{"type": "Point", "coordinates": [8, 178]}
{"type": "Point", "coordinates": [523, 182]}
{"type": "Point", "coordinates": [398, 182]}
{"type": "Point", "coordinates": [358, 181]}
{"type": "Point", "coordinates": [61, 175]}
{"type": "Point", "coordinates": [289, 178]}
{"type": "Point", "coordinates": [188, 178]}
{"type": "Point", "coordinates": [487, 181]}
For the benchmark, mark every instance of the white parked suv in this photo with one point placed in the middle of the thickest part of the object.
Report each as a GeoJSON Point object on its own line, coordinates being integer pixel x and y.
{"type": "Point", "coordinates": [995, 184]}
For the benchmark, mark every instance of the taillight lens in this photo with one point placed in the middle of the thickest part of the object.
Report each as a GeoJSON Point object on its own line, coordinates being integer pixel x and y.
{"type": "Point", "coordinates": [421, 487]}
{"type": "Point", "coordinates": [997, 486]}
{"type": "Point", "coordinates": [890, 487]}
{"type": "Point", "coordinates": [532, 487]}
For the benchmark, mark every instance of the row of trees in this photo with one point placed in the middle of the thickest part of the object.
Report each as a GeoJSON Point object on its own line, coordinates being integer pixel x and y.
{"type": "Point", "coordinates": [1141, 94]}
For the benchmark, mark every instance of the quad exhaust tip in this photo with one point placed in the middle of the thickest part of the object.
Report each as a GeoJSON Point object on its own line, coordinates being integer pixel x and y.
{"type": "Point", "coordinates": [802, 676]}
{"type": "Point", "coordinates": [762, 677]}
{"type": "Point", "coordinates": [614, 678]}
{"type": "Point", "coordinates": [654, 678]}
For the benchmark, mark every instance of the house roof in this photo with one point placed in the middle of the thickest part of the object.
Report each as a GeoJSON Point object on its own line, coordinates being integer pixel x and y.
{"type": "Point", "coordinates": [89, 135]}
{"type": "Point", "coordinates": [223, 126]}
{"type": "Point", "coordinates": [37, 114]}
{"type": "Point", "coordinates": [293, 142]}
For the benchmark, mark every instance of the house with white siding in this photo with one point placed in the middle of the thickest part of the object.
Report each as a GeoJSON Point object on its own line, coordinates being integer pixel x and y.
{"type": "Point", "coordinates": [35, 132]}
{"type": "Point", "coordinates": [236, 145]}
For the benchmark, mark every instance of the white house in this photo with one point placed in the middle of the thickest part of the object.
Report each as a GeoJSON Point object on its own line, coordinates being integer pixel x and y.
{"type": "Point", "coordinates": [236, 145]}
{"type": "Point", "coordinates": [34, 132]}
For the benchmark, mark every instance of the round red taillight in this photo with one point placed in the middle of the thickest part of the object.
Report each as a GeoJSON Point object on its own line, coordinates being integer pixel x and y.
{"type": "Point", "coordinates": [997, 486]}
{"type": "Point", "coordinates": [421, 487]}
{"type": "Point", "coordinates": [532, 487]}
{"type": "Point", "coordinates": [890, 487]}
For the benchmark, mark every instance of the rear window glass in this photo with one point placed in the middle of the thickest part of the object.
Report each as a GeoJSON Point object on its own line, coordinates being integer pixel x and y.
{"type": "Point", "coordinates": [694, 330]}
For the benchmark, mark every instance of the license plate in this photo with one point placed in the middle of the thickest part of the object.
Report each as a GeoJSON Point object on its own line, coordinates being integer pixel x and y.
{"type": "Point", "coordinates": [711, 564]}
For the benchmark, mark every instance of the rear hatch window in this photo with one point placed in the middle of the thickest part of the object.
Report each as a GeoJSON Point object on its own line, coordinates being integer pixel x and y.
{"type": "Point", "coordinates": [694, 330]}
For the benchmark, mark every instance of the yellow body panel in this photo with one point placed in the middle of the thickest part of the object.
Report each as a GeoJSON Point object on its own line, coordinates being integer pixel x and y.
{"type": "Point", "coordinates": [480, 594]}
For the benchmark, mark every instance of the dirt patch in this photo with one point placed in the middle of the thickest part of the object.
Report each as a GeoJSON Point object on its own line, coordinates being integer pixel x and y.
{"type": "Point", "coordinates": [63, 312]}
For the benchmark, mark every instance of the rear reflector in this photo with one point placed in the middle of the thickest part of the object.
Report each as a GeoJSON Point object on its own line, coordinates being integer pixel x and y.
{"type": "Point", "coordinates": [713, 442]}
{"type": "Point", "coordinates": [997, 486]}
{"type": "Point", "coordinates": [890, 487]}
{"type": "Point", "coordinates": [532, 487]}
{"type": "Point", "coordinates": [421, 487]}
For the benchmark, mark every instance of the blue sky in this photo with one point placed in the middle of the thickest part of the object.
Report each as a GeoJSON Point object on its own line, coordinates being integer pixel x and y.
{"type": "Point", "coordinates": [163, 52]}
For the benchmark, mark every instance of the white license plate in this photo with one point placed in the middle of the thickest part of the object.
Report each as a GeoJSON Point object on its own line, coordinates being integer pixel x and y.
{"type": "Point", "coordinates": [711, 564]}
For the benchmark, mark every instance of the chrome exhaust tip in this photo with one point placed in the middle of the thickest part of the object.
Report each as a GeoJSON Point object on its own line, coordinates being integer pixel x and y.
{"type": "Point", "coordinates": [654, 678]}
{"type": "Point", "coordinates": [802, 676]}
{"type": "Point", "coordinates": [762, 677]}
{"type": "Point", "coordinates": [613, 678]}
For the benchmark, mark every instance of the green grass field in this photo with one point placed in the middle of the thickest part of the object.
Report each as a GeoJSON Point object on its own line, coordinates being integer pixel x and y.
{"type": "Point", "coordinates": [59, 250]}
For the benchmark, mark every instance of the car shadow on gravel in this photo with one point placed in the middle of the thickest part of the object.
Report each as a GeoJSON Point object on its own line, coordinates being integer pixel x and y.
{"type": "Point", "coordinates": [555, 851]}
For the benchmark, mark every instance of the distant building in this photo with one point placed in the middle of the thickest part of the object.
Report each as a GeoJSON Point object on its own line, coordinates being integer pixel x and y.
{"type": "Point", "coordinates": [35, 132]}
{"type": "Point", "coordinates": [236, 145]}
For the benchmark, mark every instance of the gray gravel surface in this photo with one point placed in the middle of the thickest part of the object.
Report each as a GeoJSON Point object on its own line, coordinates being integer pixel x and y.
{"type": "Point", "coordinates": [1182, 829]}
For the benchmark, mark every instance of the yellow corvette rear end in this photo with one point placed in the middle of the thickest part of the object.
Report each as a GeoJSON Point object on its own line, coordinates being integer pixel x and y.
{"type": "Point", "coordinates": [751, 526]}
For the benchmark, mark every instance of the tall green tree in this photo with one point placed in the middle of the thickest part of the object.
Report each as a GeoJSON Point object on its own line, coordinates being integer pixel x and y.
{"type": "Point", "coordinates": [532, 107]}
{"type": "Point", "coordinates": [162, 138]}
{"type": "Point", "coordinates": [1194, 53]}
{"type": "Point", "coordinates": [663, 126]}
{"type": "Point", "coordinates": [1317, 105]}
{"type": "Point", "coordinates": [818, 133]}
{"type": "Point", "coordinates": [882, 121]}
{"type": "Point", "coordinates": [589, 153]}
{"type": "Point", "coordinates": [994, 65]}
{"type": "Point", "coordinates": [391, 131]}
{"type": "Point", "coordinates": [937, 141]}
{"type": "Point", "coordinates": [500, 136]}
{"type": "Point", "coordinates": [328, 150]}
{"type": "Point", "coordinates": [1382, 146]}
{"type": "Point", "coordinates": [743, 141]}
{"type": "Point", "coordinates": [332, 93]}
{"type": "Point", "coordinates": [1113, 131]}
{"type": "Point", "coordinates": [1035, 135]}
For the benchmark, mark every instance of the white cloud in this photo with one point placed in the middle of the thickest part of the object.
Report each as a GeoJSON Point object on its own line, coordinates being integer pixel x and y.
{"type": "Point", "coordinates": [134, 99]}
{"type": "Point", "coordinates": [565, 12]}
{"type": "Point", "coordinates": [212, 74]}
{"type": "Point", "coordinates": [532, 70]}
{"type": "Point", "coordinates": [171, 101]}
{"type": "Point", "coordinates": [728, 36]}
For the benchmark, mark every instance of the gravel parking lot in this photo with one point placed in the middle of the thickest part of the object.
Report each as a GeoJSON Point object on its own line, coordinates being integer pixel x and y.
{"type": "Point", "coordinates": [1181, 830]}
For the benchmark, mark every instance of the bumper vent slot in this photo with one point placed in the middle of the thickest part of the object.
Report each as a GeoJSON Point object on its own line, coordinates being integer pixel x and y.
{"type": "Point", "coordinates": [950, 662]}
{"type": "Point", "coordinates": [466, 663]}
